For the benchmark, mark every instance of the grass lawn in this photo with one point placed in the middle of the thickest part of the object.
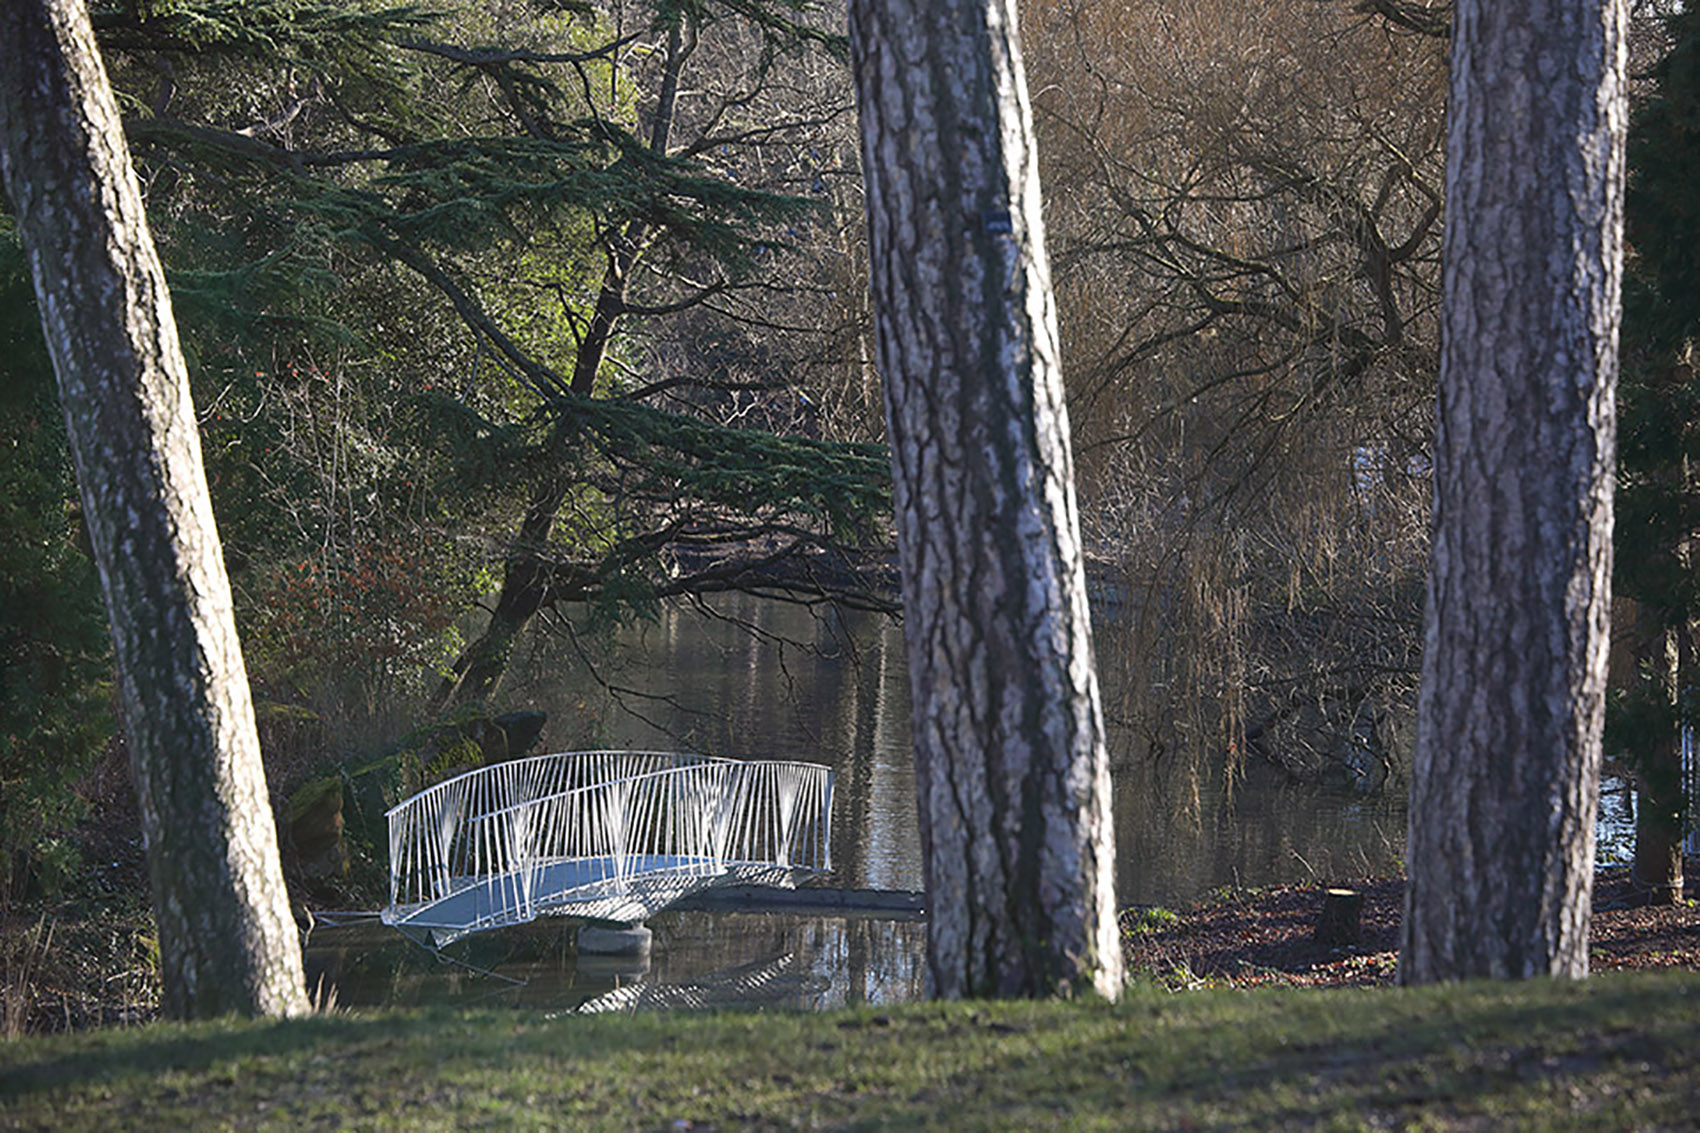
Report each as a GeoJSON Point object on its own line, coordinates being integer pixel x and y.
{"type": "Point", "coordinates": [1619, 1052]}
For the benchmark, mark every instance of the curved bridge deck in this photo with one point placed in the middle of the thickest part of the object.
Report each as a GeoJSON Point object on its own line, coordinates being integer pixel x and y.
{"type": "Point", "coordinates": [606, 835]}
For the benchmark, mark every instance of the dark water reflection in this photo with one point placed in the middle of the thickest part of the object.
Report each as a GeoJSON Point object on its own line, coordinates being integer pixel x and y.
{"type": "Point", "coordinates": [749, 678]}
{"type": "Point", "coordinates": [697, 961]}
{"type": "Point", "coordinates": [761, 679]}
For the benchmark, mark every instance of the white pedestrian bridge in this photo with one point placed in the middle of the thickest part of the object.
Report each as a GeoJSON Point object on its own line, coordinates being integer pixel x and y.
{"type": "Point", "coordinates": [604, 835]}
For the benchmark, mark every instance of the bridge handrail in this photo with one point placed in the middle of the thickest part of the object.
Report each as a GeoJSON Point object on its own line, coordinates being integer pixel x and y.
{"type": "Point", "coordinates": [696, 818]}
{"type": "Point", "coordinates": [734, 764]}
{"type": "Point", "coordinates": [689, 759]}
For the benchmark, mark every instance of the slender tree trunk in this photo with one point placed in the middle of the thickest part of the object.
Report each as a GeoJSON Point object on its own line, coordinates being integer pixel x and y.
{"type": "Point", "coordinates": [1506, 777]}
{"type": "Point", "coordinates": [1660, 805]}
{"type": "Point", "coordinates": [1014, 786]}
{"type": "Point", "coordinates": [227, 941]}
{"type": "Point", "coordinates": [478, 671]}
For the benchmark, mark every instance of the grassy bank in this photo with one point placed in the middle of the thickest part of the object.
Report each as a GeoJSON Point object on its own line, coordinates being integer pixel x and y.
{"type": "Point", "coordinates": [1620, 1052]}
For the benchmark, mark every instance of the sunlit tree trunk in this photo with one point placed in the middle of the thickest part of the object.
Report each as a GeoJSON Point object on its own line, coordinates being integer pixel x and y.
{"type": "Point", "coordinates": [1506, 777]}
{"type": "Point", "coordinates": [1014, 788]}
{"type": "Point", "coordinates": [227, 940]}
{"type": "Point", "coordinates": [526, 573]}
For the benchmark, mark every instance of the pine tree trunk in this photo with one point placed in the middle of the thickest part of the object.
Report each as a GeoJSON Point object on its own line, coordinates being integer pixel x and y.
{"type": "Point", "coordinates": [1506, 777]}
{"type": "Point", "coordinates": [1014, 789]}
{"type": "Point", "coordinates": [227, 940]}
{"type": "Point", "coordinates": [1659, 807]}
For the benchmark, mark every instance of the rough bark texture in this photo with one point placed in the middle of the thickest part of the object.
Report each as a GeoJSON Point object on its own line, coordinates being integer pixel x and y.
{"type": "Point", "coordinates": [227, 940]}
{"type": "Point", "coordinates": [1506, 775]}
{"type": "Point", "coordinates": [1659, 807]}
{"type": "Point", "coordinates": [1014, 788]}
{"type": "Point", "coordinates": [478, 671]}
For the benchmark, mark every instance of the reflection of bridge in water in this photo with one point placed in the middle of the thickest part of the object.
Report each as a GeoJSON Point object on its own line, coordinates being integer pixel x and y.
{"type": "Point", "coordinates": [614, 836]}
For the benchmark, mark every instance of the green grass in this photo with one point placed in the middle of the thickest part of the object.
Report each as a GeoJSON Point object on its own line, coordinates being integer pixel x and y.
{"type": "Point", "coordinates": [1619, 1052]}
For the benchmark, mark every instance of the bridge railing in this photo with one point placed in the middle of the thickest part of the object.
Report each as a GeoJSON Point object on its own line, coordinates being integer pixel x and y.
{"type": "Point", "coordinates": [532, 835]}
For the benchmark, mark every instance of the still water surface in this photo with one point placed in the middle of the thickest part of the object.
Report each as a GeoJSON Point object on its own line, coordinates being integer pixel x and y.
{"type": "Point", "coordinates": [758, 679]}
{"type": "Point", "coordinates": [748, 678]}
{"type": "Point", "coordinates": [697, 960]}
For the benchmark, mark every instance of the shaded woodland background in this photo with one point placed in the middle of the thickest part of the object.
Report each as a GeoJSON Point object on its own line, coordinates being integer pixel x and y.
{"type": "Point", "coordinates": [507, 317]}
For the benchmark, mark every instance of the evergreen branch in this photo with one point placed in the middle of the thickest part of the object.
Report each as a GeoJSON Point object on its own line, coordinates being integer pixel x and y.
{"type": "Point", "coordinates": [653, 389]}
{"type": "Point", "coordinates": [142, 131]}
{"type": "Point", "coordinates": [495, 56]}
{"type": "Point", "coordinates": [266, 28]}
{"type": "Point", "coordinates": [846, 486]}
{"type": "Point", "coordinates": [768, 15]}
{"type": "Point", "coordinates": [544, 381]}
{"type": "Point", "coordinates": [801, 565]}
{"type": "Point", "coordinates": [459, 191]}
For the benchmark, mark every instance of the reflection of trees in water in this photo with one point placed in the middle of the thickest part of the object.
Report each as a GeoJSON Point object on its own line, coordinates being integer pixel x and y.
{"type": "Point", "coordinates": [835, 963]}
{"type": "Point", "coordinates": [834, 688]}
{"type": "Point", "coordinates": [752, 679]}
{"type": "Point", "coordinates": [1268, 830]}
{"type": "Point", "coordinates": [699, 960]}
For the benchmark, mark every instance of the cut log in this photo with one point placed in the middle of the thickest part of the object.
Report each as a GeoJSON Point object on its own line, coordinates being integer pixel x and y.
{"type": "Point", "coordinates": [1340, 923]}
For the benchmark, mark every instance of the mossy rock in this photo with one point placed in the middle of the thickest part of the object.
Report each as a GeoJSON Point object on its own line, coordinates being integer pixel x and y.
{"type": "Point", "coordinates": [369, 790]}
{"type": "Point", "coordinates": [521, 730]}
{"type": "Point", "coordinates": [293, 740]}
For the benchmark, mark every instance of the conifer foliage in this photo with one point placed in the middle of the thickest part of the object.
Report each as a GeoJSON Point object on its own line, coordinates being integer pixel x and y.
{"type": "Point", "coordinates": [422, 253]}
{"type": "Point", "coordinates": [1659, 450]}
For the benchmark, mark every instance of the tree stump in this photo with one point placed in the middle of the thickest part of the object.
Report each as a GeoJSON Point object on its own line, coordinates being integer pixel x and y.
{"type": "Point", "coordinates": [1340, 923]}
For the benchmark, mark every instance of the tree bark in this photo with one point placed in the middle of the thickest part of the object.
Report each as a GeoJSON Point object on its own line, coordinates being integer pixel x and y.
{"type": "Point", "coordinates": [227, 940]}
{"type": "Point", "coordinates": [1506, 775]}
{"type": "Point", "coordinates": [479, 669]}
{"type": "Point", "coordinates": [1014, 788]}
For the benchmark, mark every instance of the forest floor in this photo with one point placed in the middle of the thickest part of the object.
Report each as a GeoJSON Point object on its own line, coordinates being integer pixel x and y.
{"type": "Point", "coordinates": [1261, 937]}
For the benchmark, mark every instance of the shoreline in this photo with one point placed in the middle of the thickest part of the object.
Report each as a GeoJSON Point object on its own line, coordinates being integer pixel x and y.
{"type": "Point", "coordinates": [1262, 937]}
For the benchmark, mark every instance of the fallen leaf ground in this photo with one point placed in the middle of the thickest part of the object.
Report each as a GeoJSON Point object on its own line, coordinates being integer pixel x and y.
{"type": "Point", "coordinates": [1263, 937]}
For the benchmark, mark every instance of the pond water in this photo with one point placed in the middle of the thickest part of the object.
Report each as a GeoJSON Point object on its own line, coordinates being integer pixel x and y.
{"type": "Point", "coordinates": [753, 679]}
{"type": "Point", "coordinates": [697, 960]}
{"type": "Point", "coordinates": [760, 679]}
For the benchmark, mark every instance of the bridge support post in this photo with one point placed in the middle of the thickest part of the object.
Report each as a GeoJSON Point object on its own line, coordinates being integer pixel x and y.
{"type": "Point", "coordinates": [616, 940]}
